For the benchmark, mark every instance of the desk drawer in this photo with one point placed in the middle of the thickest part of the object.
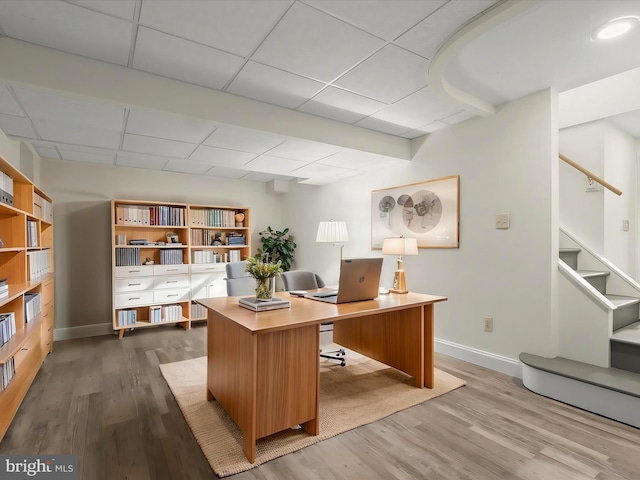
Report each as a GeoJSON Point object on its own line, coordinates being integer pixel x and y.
{"type": "Point", "coordinates": [172, 281]}
{"type": "Point", "coordinates": [162, 270]}
{"type": "Point", "coordinates": [208, 268]}
{"type": "Point", "coordinates": [171, 296]}
{"type": "Point", "coordinates": [133, 299]}
{"type": "Point", "coordinates": [134, 284]}
{"type": "Point", "coordinates": [140, 271]}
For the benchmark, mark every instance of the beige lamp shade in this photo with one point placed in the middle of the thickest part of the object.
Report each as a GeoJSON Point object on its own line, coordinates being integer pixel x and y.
{"type": "Point", "coordinates": [399, 246]}
{"type": "Point", "coordinates": [332, 232]}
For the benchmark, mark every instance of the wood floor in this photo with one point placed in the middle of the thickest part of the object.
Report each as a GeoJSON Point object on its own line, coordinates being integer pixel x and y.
{"type": "Point", "coordinates": [105, 400]}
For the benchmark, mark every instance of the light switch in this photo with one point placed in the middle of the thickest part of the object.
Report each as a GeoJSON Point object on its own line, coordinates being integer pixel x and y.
{"type": "Point", "coordinates": [502, 221]}
{"type": "Point", "coordinates": [625, 225]}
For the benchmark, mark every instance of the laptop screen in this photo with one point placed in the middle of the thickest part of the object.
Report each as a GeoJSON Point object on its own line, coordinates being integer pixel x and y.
{"type": "Point", "coordinates": [359, 280]}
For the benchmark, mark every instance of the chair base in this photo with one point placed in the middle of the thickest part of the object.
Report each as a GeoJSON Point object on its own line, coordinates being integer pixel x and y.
{"type": "Point", "coordinates": [337, 355]}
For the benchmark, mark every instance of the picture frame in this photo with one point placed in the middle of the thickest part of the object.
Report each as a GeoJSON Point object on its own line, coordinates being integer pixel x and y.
{"type": "Point", "coordinates": [428, 211]}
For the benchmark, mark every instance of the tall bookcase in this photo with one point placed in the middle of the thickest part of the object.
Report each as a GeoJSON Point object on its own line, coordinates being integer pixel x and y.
{"type": "Point", "coordinates": [27, 287]}
{"type": "Point", "coordinates": [166, 255]}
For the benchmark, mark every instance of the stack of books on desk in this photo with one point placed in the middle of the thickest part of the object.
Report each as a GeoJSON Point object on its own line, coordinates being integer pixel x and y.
{"type": "Point", "coordinates": [257, 305]}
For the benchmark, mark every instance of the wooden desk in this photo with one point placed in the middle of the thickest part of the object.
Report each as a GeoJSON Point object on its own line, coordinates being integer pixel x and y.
{"type": "Point", "coordinates": [264, 368]}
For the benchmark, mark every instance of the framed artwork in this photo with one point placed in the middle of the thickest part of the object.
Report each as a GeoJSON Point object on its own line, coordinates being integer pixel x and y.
{"type": "Point", "coordinates": [428, 211]}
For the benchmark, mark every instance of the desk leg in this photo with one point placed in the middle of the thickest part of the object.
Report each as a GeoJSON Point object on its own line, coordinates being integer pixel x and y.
{"type": "Point", "coordinates": [429, 363]}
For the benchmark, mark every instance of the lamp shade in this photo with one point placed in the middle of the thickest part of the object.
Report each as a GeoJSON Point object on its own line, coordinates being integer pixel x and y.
{"type": "Point", "coordinates": [400, 246]}
{"type": "Point", "coordinates": [331, 231]}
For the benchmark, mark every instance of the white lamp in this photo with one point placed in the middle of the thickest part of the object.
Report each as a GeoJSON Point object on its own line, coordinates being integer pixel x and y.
{"type": "Point", "coordinates": [399, 246]}
{"type": "Point", "coordinates": [333, 232]}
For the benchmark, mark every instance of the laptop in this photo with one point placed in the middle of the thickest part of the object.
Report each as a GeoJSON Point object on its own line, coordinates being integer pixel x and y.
{"type": "Point", "coordinates": [359, 280]}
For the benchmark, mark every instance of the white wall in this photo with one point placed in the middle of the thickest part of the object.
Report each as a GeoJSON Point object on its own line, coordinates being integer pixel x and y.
{"type": "Point", "coordinates": [81, 194]}
{"type": "Point", "coordinates": [506, 163]}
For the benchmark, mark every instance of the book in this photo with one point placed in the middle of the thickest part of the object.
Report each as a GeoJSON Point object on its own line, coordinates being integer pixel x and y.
{"type": "Point", "coordinates": [257, 305]}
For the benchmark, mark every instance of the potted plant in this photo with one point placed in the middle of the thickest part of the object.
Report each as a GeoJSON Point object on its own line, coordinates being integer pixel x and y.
{"type": "Point", "coordinates": [279, 246]}
{"type": "Point", "coordinates": [264, 271]}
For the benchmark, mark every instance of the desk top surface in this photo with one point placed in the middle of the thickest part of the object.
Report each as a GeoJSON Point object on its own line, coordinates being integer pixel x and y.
{"type": "Point", "coordinates": [304, 311]}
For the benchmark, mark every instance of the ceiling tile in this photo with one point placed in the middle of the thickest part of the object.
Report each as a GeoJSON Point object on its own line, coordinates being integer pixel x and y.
{"type": "Point", "coordinates": [232, 26]}
{"type": "Point", "coordinates": [382, 126]}
{"type": "Point", "coordinates": [389, 75]}
{"type": "Point", "coordinates": [269, 164]}
{"type": "Point", "coordinates": [303, 150]}
{"type": "Point", "coordinates": [274, 86]}
{"type": "Point", "coordinates": [357, 160]}
{"type": "Point", "coordinates": [187, 166]}
{"type": "Point", "coordinates": [322, 174]}
{"type": "Point", "coordinates": [87, 156]}
{"type": "Point", "coordinates": [183, 60]}
{"type": "Point", "coordinates": [384, 18]}
{"type": "Point", "coordinates": [46, 152]}
{"type": "Point", "coordinates": [16, 126]}
{"type": "Point", "coordinates": [426, 38]}
{"type": "Point", "coordinates": [430, 128]}
{"type": "Point", "coordinates": [67, 27]}
{"type": "Point", "coordinates": [243, 140]}
{"type": "Point", "coordinates": [71, 111]}
{"type": "Point", "coordinates": [266, 177]}
{"type": "Point", "coordinates": [76, 135]}
{"type": "Point", "coordinates": [458, 117]}
{"type": "Point", "coordinates": [141, 161]}
{"type": "Point", "coordinates": [417, 110]}
{"type": "Point", "coordinates": [157, 146]}
{"type": "Point", "coordinates": [221, 156]}
{"type": "Point", "coordinates": [165, 125]}
{"type": "Point", "coordinates": [224, 172]}
{"type": "Point", "coordinates": [341, 105]}
{"type": "Point", "coordinates": [8, 105]}
{"type": "Point", "coordinates": [316, 45]}
{"type": "Point", "coordinates": [122, 8]}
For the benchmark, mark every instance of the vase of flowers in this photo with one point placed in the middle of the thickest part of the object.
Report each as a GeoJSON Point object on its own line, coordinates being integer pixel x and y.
{"type": "Point", "coordinates": [264, 272]}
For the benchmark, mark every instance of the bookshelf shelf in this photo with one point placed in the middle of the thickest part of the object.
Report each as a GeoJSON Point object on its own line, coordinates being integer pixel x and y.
{"type": "Point", "coordinates": [22, 353]}
{"type": "Point", "coordinates": [178, 274]}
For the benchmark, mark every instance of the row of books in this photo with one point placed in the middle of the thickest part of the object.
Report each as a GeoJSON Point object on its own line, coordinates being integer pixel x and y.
{"type": "Point", "coordinates": [145, 215]}
{"type": "Point", "coordinates": [38, 264]}
{"type": "Point", "coordinates": [4, 287]}
{"type": "Point", "coordinates": [202, 237]}
{"type": "Point", "coordinates": [198, 311]}
{"type": "Point", "coordinates": [32, 233]}
{"type": "Point", "coordinates": [7, 326]}
{"type": "Point", "coordinates": [42, 208]}
{"type": "Point", "coordinates": [128, 257]}
{"type": "Point", "coordinates": [171, 256]}
{"type": "Point", "coordinates": [32, 306]}
{"type": "Point", "coordinates": [166, 313]}
{"type": "Point", "coordinates": [6, 189]}
{"type": "Point", "coordinates": [7, 370]}
{"type": "Point", "coordinates": [205, 256]}
{"type": "Point", "coordinates": [213, 217]}
{"type": "Point", "coordinates": [127, 317]}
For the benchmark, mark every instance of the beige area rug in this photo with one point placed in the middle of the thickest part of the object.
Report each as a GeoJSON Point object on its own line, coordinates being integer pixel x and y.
{"type": "Point", "coordinates": [360, 393]}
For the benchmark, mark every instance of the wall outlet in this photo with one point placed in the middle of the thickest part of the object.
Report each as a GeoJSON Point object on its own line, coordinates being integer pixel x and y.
{"type": "Point", "coordinates": [488, 324]}
{"type": "Point", "coordinates": [625, 225]}
{"type": "Point", "coordinates": [502, 221]}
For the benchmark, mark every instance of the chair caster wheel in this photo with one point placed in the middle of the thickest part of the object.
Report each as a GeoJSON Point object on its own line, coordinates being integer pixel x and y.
{"type": "Point", "coordinates": [343, 363]}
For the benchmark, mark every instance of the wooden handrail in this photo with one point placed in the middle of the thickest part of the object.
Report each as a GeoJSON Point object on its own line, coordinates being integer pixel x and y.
{"type": "Point", "coordinates": [590, 175]}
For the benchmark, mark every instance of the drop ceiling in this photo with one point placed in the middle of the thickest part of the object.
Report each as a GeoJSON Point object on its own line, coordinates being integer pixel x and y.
{"type": "Point", "coordinates": [312, 91]}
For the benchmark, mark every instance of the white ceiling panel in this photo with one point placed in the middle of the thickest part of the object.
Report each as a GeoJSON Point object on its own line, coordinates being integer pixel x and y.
{"type": "Point", "coordinates": [67, 27]}
{"type": "Point", "coordinates": [234, 138]}
{"type": "Point", "coordinates": [382, 126]}
{"type": "Point", "coordinates": [357, 160]}
{"type": "Point", "coordinates": [266, 177]}
{"type": "Point", "coordinates": [458, 117]}
{"type": "Point", "coordinates": [341, 105]}
{"type": "Point", "coordinates": [269, 164]}
{"type": "Point", "coordinates": [316, 45]}
{"type": "Point", "coordinates": [232, 26]}
{"type": "Point", "coordinates": [157, 146]}
{"type": "Point", "coordinates": [170, 127]}
{"type": "Point", "coordinates": [46, 152]}
{"type": "Point", "coordinates": [16, 126]}
{"type": "Point", "coordinates": [87, 156]}
{"type": "Point", "coordinates": [70, 111]}
{"type": "Point", "coordinates": [430, 128]}
{"type": "Point", "coordinates": [303, 150]}
{"type": "Point", "coordinates": [187, 166]}
{"type": "Point", "coordinates": [150, 162]}
{"type": "Point", "coordinates": [389, 75]}
{"type": "Point", "coordinates": [334, 113]}
{"type": "Point", "coordinates": [181, 59]}
{"type": "Point", "coordinates": [224, 172]}
{"type": "Point", "coordinates": [322, 174]}
{"type": "Point", "coordinates": [221, 156]}
{"type": "Point", "coordinates": [76, 135]}
{"type": "Point", "coordinates": [387, 19]}
{"type": "Point", "coordinates": [426, 37]}
{"type": "Point", "coordinates": [121, 8]}
{"type": "Point", "coordinates": [8, 105]}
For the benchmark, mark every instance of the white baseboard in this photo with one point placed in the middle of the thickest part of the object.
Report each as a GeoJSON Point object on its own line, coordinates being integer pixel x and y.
{"type": "Point", "coordinates": [501, 364]}
{"type": "Point", "coordinates": [82, 331]}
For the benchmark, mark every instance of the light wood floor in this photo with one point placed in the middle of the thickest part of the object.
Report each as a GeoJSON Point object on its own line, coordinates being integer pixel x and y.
{"type": "Point", "coordinates": [105, 400]}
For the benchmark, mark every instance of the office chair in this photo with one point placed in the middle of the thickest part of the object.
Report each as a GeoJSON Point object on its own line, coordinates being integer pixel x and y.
{"type": "Point", "coordinates": [239, 281]}
{"type": "Point", "coordinates": [304, 280]}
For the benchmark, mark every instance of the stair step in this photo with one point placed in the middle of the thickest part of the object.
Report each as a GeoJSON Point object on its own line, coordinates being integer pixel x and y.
{"type": "Point", "coordinates": [629, 334]}
{"type": "Point", "coordinates": [597, 279]}
{"type": "Point", "coordinates": [570, 250]}
{"type": "Point", "coordinates": [592, 273]}
{"type": "Point", "coordinates": [570, 256]}
{"type": "Point", "coordinates": [622, 301]}
{"type": "Point", "coordinates": [615, 379]}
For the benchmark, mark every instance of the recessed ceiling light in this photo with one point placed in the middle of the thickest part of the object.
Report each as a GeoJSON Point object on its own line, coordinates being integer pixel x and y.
{"type": "Point", "coordinates": [614, 28]}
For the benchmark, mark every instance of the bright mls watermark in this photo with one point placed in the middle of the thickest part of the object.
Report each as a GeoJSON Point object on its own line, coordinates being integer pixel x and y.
{"type": "Point", "coordinates": [51, 467]}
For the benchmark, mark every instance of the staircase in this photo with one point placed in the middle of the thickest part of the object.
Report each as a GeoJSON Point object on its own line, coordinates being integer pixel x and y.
{"type": "Point", "coordinates": [598, 368]}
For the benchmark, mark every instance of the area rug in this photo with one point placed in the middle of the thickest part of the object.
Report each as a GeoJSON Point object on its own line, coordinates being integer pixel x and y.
{"type": "Point", "coordinates": [360, 393]}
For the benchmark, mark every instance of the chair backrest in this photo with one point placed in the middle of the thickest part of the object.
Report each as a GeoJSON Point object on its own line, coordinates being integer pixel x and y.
{"type": "Point", "coordinates": [301, 280]}
{"type": "Point", "coordinates": [239, 281]}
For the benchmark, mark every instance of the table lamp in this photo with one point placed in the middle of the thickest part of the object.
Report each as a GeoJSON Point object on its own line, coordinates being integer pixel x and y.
{"type": "Point", "coordinates": [333, 232]}
{"type": "Point", "coordinates": [399, 246]}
